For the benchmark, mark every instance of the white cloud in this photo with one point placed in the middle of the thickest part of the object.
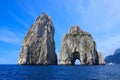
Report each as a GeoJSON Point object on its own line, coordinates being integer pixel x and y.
{"type": "Point", "coordinates": [111, 41]}
{"type": "Point", "coordinates": [109, 52]}
{"type": "Point", "coordinates": [17, 18]}
{"type": "Point", "coordinates": [99, 17]}
{"type": "Point", "coordinates": [109, 44]}
{"type": "Point", "coordinates": [9, 36]}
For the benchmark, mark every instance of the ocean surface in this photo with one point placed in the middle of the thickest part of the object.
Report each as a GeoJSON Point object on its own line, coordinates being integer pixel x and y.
{"type": "Point", "coordinates": [52, 72]}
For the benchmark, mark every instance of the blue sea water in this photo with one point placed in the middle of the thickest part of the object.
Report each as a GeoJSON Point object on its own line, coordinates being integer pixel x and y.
{"type": "Point", "coordinates": [52, 72]}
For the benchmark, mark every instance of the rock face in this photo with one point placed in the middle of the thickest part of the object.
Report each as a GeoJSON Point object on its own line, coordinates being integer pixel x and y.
{"type": "Point", "coordinates": [39, 46]}
{"type": "Point", "coordinates": [77, 44]}
{"type": "Point", "coordinates": [115, 58]}
{"type": "Point", "coordinates": [101, 60]}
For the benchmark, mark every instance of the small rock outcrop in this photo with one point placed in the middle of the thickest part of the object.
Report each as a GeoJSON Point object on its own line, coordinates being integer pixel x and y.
{"type": "Point", "coordinates": [39, 46]}
{"type": "Point", "coordinates": [101, 60]}
{"type": "Point", "coordinates": [77, 44]}
{"type": "Point", "coordinates": [115, 58]}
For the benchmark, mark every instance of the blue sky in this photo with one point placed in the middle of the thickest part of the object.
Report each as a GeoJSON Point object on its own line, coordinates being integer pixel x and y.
{"type": "Point", "coordinates": [101, 18]}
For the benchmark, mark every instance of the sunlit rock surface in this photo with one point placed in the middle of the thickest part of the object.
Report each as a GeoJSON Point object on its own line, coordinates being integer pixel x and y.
{"type": "Point", "coordinates": [77, 44]}
{"type": "Point", "coordinates": [39, 46]}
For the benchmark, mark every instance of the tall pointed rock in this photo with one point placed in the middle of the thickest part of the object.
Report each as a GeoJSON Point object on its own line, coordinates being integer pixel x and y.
{"type": "Point", "coordinates": [39, 46]}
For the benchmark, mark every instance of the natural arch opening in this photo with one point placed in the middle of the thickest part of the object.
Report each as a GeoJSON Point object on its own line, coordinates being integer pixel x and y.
{"type": "Point", "coordinates": [76, 58]}
{"type": "Point", "coordinates": [77, 62]}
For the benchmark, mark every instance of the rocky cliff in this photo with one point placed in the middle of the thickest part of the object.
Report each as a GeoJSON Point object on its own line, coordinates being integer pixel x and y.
{"type": "Point", "coordinates": [39, 46]}
{"type": "Point", "coordinates": [115, 58]}
{"type": "Point", "coordinates": [77, 44]}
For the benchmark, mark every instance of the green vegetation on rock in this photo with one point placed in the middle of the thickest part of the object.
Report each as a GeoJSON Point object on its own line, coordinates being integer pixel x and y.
{"type": "Point", "coordinates": [75, 34]}
{"type": "Point", "coordinates": [87, 48]}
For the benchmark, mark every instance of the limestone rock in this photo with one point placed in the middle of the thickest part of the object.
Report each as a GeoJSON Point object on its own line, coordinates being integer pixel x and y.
{"type": "Point", "coordinates": [39, 46]}
{"type": "Point", "coordinates": [101, 60]}
{"type": "Point", "coordinates": [77, 44]}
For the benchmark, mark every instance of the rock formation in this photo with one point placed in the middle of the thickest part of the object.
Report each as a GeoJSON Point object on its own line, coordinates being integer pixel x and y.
{"type": "Point", "coordinates": [115, 58]}
{"type": "Point", "coordinates": [39, 46]}
{"type": "Point", "coordinates": [101, 60]}
{"type": "Point", "coordinates": [77, 44]}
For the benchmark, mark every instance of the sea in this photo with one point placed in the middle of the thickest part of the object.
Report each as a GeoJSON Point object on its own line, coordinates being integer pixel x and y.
{"type": "Point", "coordinates": [57, 72]}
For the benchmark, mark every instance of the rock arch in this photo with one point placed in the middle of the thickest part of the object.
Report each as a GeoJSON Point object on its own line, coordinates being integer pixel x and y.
{"type": "Point", "coordinates": [76, 55]}
{"type": "Point", "coordinates": [77, 62]}
{"type": "Point", "coordinates": [78, 44]}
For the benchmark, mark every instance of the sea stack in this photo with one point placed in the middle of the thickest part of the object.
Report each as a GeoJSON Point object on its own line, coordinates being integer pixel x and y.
{"type": "Point", "coordinates": [101, 60]}
{"type": "Point", "coordinates": [39, 46]}
{"type": "Point", "coordinates": [77, 44]}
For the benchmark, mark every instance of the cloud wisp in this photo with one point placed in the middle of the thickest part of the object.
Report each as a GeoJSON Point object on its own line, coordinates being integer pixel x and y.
{"type": "Point", "coordinates": [15, 17]}
{"type": "Point", "coordinates": [101, 18]}
{"type": "Point", "coordinates": [9, 36]}
{"type": "Point", "coordinates": [18, 19]}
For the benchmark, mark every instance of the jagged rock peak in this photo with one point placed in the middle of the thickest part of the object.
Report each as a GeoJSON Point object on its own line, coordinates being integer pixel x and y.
{"type": "Point", "coordinates": [42, 17]}
{"type": "Point", "coordinates": [39, 46]}
{"type": "Point", "coordinates": [74, 29]}
{"type": "Point", "coordinates": [77, 44]}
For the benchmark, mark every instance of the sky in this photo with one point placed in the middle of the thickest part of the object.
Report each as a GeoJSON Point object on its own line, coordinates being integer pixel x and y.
{"type": "Point", "coordinates": [101, 18]}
